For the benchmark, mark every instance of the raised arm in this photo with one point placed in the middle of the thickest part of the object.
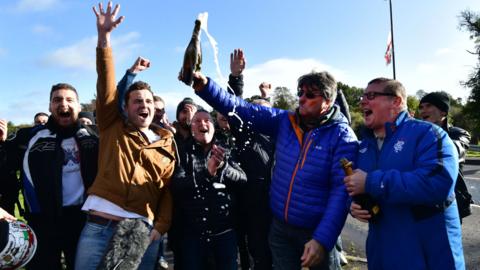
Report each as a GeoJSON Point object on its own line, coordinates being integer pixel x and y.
{"type": "Point", "coordinates": [107, 111]}
{"type": "Point", "coordinates": [138, 66]}
{"type": "Point", "coordinates": [237, 65]}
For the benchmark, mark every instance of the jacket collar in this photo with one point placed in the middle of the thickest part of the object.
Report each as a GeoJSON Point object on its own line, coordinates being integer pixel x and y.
{"type": "Point", "coordinates": [62, 132]}
{"type": "Point", "coordinates": [390, 127]}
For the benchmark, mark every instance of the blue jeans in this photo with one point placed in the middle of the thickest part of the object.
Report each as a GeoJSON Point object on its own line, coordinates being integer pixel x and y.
{"type": "Point", "coordinates": [287, 245]}
{"type": "Point", "coordinates": [222, 248]}
{"type": "Point", "coordinates": [93, 244]}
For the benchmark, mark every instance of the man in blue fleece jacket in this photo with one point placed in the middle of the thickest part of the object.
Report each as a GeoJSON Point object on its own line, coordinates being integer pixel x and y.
{"type": "Point", "coordinates": [409, 167]}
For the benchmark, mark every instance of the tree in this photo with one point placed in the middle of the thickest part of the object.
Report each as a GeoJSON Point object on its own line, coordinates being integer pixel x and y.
{"type": "Point", "coordinates": [88, 107]}
{"type": "Point", "coordinates": [12, 128]}
{"type": "Point", "coordinates": [412, 104]}
{"type": "Point", "coordinates": [353, 96]}
{"type": "Point", "coordinates": [283, 99]}
{"type": "Point", "coordinates": [470, 22]}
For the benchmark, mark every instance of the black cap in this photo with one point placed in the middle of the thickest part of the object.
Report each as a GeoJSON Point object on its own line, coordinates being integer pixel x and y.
{"type": "Point", "coordinates": [438, 99]}
{"type": "Point", "coordinates": [182, 104]}
{"type": "Point", "coordinates": [88, 115]}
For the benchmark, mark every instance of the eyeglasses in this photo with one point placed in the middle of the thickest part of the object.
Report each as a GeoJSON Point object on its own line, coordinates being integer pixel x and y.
{"type": "Point", "coordinates": [373, 95]}
{"type": "Point", "coordinates": [308, 94]}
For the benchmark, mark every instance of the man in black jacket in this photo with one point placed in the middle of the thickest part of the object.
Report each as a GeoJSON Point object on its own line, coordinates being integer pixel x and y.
{"type": "Point", "coordinates": [434, 108]}
{"type": "Point", "coordinates": [58, 163]}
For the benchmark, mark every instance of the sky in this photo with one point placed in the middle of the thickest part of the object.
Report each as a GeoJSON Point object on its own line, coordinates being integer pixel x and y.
{"type": "Point", "coordinates": [44, 42]}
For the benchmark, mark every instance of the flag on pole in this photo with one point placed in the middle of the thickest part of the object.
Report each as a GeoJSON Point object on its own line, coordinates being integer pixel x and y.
{"type": "Point", "coordinates": [388, 53]}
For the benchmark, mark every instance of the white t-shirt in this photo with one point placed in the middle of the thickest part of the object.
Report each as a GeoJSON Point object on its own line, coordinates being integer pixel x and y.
{"type": "Point", "coordinates": [72, 182]}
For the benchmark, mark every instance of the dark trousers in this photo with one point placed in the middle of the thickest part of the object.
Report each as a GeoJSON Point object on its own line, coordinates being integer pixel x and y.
{"type": "Point", "coordinates": [56, 235]}
{"type": "Point", "coordinates": [253, 217]}
{"type": "Point", "coordinates": [287, 244]}
{"type": "Point", "coordinates": [196, 251]}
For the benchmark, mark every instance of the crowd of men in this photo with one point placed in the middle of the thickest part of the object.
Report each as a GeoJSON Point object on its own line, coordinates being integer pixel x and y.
{"type": "Point", "coordinates": [102, 190]}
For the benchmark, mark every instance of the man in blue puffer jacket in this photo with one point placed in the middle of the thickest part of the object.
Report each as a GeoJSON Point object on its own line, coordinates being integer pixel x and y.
{"type": "Point", "coordinates": [307, 196]}
{"type": "Point", "coordinates": [409, 167]}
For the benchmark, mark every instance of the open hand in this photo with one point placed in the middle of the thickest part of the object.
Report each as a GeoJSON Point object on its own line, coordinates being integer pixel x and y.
{"type": "Point", "coordinates": [106, 21]}
{"type": "Point", "coordinates": [237, 62]}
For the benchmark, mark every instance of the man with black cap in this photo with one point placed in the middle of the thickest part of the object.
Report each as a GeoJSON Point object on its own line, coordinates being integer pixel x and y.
{"type": "Point", "coordinates": [86, 118]}
{"type": "Point", "coordinates": [185, 111]}
{"type": "Point", "coordinates": [434, 108]}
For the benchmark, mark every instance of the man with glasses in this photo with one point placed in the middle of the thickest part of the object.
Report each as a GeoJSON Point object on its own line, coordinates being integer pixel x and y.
{"type": "Point", "coordinates": [307, 196]}
{"type": "Point", "coordinates": [409, 167]}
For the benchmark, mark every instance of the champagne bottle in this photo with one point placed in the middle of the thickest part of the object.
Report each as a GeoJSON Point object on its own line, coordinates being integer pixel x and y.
{"type": "Point", "coordinates": [193, 56]}
{"type": "Point", "coordinates": [364, 200]}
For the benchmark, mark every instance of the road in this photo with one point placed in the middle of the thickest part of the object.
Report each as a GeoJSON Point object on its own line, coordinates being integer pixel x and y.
{"type": "Point", "coordinates": [472, 175]}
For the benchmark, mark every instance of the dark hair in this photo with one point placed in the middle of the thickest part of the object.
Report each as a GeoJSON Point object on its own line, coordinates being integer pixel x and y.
{"type": "Point", "coordinates": [138, 85]}
{"type": "Point", "coordinates": [324, 81]}
{"type": "Point", "coordinates": [202, 110]}
{"type": "Point", "coordinates": [182, 104]}
{"type": "Point", "coordinates": [60, 86]}
{"type": "Point", "coordinates": [40, 114]}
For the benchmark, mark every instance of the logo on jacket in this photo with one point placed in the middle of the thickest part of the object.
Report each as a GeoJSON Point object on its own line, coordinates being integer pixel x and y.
{"type": "Point", "coordinates": [318, 147]}
{"type": "Point", "coordinates": [398, 146]}
{"type": "Point", "coordinates": [363, 150]}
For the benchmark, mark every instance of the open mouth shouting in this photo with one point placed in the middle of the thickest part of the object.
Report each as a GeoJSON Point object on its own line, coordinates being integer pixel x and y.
{"type": "Point", "coordinates": [367, 113]}
{"type": "Point", "coordinates": [143, 115]}
{"type": "Point", "coordinates": [64, 114]}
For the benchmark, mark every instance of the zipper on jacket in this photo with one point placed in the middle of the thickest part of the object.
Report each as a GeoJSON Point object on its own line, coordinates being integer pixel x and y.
{"type": "Point", "coordinates": [300, 161]}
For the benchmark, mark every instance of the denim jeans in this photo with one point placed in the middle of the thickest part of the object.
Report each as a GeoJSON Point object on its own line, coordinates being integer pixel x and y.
{"type": "Point", "coordinates": [93, 244]}
{"type": "Point", "coordinates": [196, 251]}
{"type": "Point", "coordinates": [287, 245]}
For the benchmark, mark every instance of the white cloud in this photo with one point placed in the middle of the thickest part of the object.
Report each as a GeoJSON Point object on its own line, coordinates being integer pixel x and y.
{"type": "Point", "coordinates": [35, 5]}
{"type": "Point", "coordinates": [442, 72]}
{"type": "Point", "coordinates": [42, 29]}
{"type": "Point", "coordinates": [283, 72]}
{"type": "Point", "coordinates": [81, 55]}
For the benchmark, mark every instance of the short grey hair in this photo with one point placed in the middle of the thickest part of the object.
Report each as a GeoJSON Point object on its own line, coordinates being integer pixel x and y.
{"type": "Point", "coordinates": [324, 81]}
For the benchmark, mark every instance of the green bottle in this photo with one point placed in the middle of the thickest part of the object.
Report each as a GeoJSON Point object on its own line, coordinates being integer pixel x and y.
{"type": "Point", "coordinates": [193, 56]}
{"type": "Point", "coordinates": [364, 200]}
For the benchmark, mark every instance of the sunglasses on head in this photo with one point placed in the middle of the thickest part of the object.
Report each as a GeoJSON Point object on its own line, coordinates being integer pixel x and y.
{"type": "Point", "coordinates": [373, 95]}
{"type": "Point", "coordinates": [308, 94]}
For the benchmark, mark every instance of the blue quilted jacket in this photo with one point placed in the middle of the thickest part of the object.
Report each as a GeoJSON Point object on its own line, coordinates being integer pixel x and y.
{"type": "Point", "coordinates": [307, 189]}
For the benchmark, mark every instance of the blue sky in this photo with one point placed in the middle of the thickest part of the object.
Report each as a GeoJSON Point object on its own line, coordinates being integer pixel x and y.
{"type": "Point", "coordinates": [43, 42]}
